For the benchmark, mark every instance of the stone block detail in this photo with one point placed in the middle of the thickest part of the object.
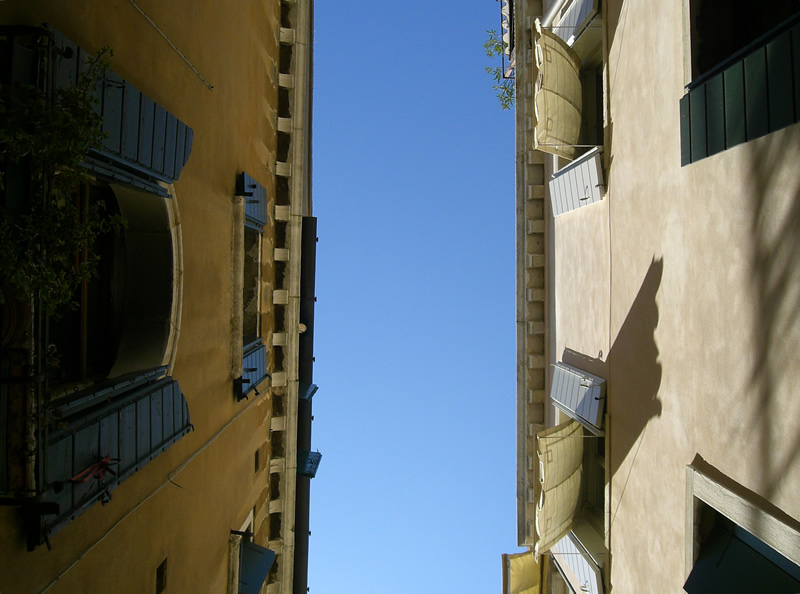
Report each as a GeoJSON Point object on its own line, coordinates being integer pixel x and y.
{"type": "Point", "coordinates": [279, 379]}
{"type": "Point", "coordinates": [281, 255]}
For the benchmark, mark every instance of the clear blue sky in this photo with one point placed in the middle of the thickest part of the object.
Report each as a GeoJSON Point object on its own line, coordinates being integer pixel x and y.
{"type": "Point", "coordinates": [415, 321]}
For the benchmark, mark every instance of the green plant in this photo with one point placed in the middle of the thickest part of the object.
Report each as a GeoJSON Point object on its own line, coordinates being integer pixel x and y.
{"type": "Point", "coordinates": [503, 87]}
{"type": "Point", "coordinates": [47, 243]}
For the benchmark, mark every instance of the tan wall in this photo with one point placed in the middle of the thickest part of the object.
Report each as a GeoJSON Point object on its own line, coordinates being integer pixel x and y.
{"type": "Point", "coordinates": [686, 279]}
{"type": "Point", "coordinates": [234, 130]}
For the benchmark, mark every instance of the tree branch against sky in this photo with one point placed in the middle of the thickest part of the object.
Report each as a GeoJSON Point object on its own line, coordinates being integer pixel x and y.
{"type": "Point", "coordinates": [503, 87]}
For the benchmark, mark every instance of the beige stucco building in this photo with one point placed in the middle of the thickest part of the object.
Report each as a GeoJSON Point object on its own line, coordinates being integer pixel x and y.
{"type": "Point", "coordinates": [159, 438]}
{"type": "Point", "coordinates": [657, 302]}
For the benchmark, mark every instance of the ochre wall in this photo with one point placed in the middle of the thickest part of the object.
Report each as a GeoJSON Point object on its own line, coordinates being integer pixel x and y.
{"type": "Point", "coordinates": [234, 125]}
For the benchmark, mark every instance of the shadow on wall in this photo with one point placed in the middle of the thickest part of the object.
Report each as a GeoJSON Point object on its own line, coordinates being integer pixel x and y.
{"type": "Point", "coordinates": [775, 272]}
{"type": "Point", "coordinates": [632, 369]}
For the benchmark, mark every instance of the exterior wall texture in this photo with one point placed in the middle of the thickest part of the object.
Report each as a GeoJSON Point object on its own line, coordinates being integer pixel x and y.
{"type": "Point", "coordinates": [182, 506]}
{"type": "Point", "coordinates": [680, 289]}
{"type": "Point", "coordinates": [703, 314]}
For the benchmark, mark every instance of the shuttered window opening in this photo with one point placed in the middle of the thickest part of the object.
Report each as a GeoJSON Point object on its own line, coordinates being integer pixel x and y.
{"type": "Point", "coordinates": [307, 391]}
{"type": "Point", "coordinates": [255, 201]}
{"type": "Point", "coordinates": [255, 563]}
{"type": "Point", "coordinates": [145, 144]}
{"type": "Point", "coordinates": [754, 92]}
{"type": "Point", "coordinates": [579, 184]}
{"type": "Point", "coordinates": [90, 451]}
{"type": "Point", "coordinates": [308, 463]}
{"type": "Point", "coordinates": [580, 395]}
{"type": "Point", "coordinates": [254, 352]}
{"type": "Point", "coordinates": [254, 369]}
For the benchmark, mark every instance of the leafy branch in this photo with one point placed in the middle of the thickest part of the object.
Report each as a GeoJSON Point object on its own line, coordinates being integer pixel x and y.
{"type": "Point", "coordinates": [50, 137]}
{"type": "Point", "coordinates": [503, 87]}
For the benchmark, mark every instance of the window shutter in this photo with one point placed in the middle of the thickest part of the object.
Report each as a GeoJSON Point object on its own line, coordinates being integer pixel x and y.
{"type": "Point", "coordinates": [255, 563]}
{"type": "Point", "coordinates": [254, 369]}
{"type": "Point", "coordinates": [105, 437]}
{"type": "Point", "coordinates": [145, 144]}
{"type": "Point", "coordinates": [579, 394]}
{"type": "Point", "coordinates": [255, 201]}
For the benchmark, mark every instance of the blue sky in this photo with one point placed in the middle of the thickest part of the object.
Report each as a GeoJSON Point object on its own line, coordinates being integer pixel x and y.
{"type": "Point", "coordinates": [415, 321]}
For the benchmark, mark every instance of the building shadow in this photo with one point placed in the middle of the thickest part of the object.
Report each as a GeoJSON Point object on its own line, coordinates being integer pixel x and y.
{"type": "Point", "coordinates": [775, 274]}
{"type": "Point", "coordinates": [631, 369]}
{"type": "Point", "coordinates": [634, 370]}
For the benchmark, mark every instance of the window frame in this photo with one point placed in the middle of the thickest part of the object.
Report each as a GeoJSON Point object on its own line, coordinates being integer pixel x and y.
{"type": "Point", "coordinates": [702, 489]}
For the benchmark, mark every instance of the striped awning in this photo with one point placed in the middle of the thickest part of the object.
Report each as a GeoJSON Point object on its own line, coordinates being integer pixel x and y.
{"type": "Point", "coordinates": [521, 574]}
{"type": "Point", "coordinates": [560, 452]}
{"type": "Point", "coordinates": [558, 103]}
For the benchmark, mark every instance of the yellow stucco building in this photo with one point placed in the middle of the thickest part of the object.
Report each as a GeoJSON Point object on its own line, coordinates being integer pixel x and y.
{"type": "Point", "coordinates": [657, 199]}
{"type": "Point", "coordinates": [158, 436]}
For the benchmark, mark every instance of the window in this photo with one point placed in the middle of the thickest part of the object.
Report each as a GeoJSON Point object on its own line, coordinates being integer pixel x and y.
{"type": "Point", "coordinates": [124, 316]}
{"type": "Point", "coordinates": [254, 352]}
{"type": "Point", "coordinates": [742, 75]}
{"type": "Point", "coordinates": [161, 577]}
{"type": "Point", "coordinates": [108, 407]}
{"type": "Point", "coordinates": [720, 28]}
{"type": "Point", "coordinates": [732, 544]}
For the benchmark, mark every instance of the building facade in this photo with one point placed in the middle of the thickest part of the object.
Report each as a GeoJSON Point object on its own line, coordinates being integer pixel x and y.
{"type": "Point", "coordinates": [657, 201]}
{"type": "Point", "coordinates": [157, 436]}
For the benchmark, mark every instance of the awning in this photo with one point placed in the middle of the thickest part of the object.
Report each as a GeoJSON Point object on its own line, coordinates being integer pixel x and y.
{"type": "Point", "coordinates": [558, 104]}
{"type": "Point", "coordinates": [521, 574]}
{"type": "Point", "coordinates": [560, 451]}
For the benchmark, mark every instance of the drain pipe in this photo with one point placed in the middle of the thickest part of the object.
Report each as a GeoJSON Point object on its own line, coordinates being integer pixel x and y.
{"type": "Point", "coordinates": [550, 15]}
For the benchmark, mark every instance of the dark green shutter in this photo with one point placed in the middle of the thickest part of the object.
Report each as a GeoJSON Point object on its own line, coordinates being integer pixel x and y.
{"type": "Point", "coordinates": [753, 93]}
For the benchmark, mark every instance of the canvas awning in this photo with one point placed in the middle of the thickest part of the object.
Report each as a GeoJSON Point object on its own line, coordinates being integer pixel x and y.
{"type": "Point", "coordinates": [560, 452]}
{"type": "Point", "coordinates": [521, 574]}
{"type": "Point", "coordinates": [558, 103]}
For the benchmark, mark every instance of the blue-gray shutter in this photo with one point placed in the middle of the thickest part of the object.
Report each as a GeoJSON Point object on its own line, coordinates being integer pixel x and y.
{"type": "Point", "coordinates": [307, 391]}
{"type": "Point", "coordinates": [254, 369]}
{"type": "Point", "coordinates": [131, 427]}
{"type": "Point", "coordinates": [255, 201]}
{"type": "Point", "coordinates": [308, 463]}
{"type": "Point", "coordinates": [144, 143]}
{"type": "Point", "coordinates": [255, 563]}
